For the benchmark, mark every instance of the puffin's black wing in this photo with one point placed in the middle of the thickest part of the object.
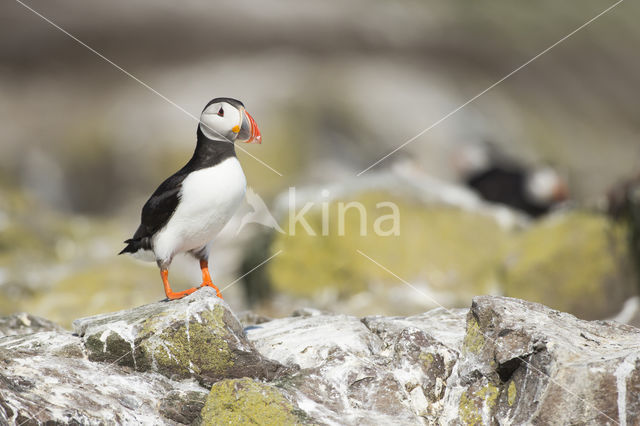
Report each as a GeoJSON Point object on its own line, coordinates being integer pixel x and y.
{"type": "Point", "coordinates": [499, 185]}
{"type": "Point", "coordinates": [156, 213]}
{"type": "Point", "coordinates": [505, 186]}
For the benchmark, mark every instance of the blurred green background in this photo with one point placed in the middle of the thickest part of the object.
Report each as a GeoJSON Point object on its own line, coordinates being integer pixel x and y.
{"type": "Point", "coordinates": [333, 86]}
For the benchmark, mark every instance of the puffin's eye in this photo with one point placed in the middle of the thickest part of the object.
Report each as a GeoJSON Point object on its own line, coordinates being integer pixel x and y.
{"type": "Point", "coordinates": [221, 112]}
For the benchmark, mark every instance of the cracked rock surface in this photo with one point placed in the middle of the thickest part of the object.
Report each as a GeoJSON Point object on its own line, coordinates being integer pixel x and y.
{"type": "Point", "coordinates": [503, 361]}
{"type": "Point", "coordinates": [153, 364]}
{"type": "Point", "coordinates": [194, 337]}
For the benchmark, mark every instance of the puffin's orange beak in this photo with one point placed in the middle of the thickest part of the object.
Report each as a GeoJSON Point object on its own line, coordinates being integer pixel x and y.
{"type": "Point", "coordinates": [560, 192]}
{"type": "Point", "coordinates": [249, 131]}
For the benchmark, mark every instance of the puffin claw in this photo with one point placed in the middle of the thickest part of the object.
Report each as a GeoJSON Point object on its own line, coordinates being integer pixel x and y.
{"type": "Point", "coordinates": [211, 284]}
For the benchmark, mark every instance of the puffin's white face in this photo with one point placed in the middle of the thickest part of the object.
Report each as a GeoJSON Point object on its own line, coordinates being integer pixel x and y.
{"type": "Point", "coordinates": [224, 121]}
{"type": "Point", "coordinates": [545, 186]}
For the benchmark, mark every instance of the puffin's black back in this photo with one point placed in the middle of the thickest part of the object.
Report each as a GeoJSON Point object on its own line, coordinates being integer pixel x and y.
{"type": "Point", "coordinates": [163, 202]}
{"type": "Point", "coordinates": [505, 186]}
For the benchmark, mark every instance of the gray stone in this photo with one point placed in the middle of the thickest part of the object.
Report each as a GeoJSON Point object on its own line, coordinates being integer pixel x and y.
{"type": "Point", "coordinates": [504, 361]}
{"type": "Point", "coordinates": [365, 371]}
{"type": "Point", "coordinates": [522, 362]}
{"type": "Point", "coordinates": [24, 323]}
{"type": "Point", "coordinates": [197, 336]}
{"type": "Point", "coordinates": [138, 366]}
{"type": "Point", "coordinates": [45, 378]}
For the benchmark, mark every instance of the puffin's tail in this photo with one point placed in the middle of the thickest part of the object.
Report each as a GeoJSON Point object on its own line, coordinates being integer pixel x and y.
{"type": "Point", "coordinates": [132, 247]}
{"type": "Point", "coordinates": [135, 244]}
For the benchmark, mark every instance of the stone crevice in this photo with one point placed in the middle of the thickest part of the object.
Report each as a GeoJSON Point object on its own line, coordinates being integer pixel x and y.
{"type": "Point", "coordinates": [506, 361]}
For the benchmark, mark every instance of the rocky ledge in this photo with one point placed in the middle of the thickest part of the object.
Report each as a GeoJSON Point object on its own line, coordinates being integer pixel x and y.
{"type": "Point", "coordinates": [192, 361]}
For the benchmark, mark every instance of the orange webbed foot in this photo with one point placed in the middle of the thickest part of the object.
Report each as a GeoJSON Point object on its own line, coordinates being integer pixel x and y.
{"type": "Point", "coordinates": [206, 278]}
{"type": "Point", "coordinates": [171, 295]}
{"type": "Point", "coordinates": [180, 294]}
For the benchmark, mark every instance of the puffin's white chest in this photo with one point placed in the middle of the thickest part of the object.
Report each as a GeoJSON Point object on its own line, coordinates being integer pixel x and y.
{"type": "Point", "coordinates": [208, 199]}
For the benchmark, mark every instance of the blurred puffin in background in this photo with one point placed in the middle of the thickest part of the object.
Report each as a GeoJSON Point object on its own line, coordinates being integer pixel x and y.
{"type": "Point", "coordinates": [500, 179]}
{"type": "Point", "coordinates": [190, 207]}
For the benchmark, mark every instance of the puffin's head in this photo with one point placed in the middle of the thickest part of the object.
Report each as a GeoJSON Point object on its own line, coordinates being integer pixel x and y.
{"type": "Point", "coordinates": [226, 119]}
{"type": "Point", "coordinates": [545, 186]}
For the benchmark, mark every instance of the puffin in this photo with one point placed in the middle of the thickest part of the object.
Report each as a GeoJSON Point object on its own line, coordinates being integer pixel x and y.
{"type": "Point", "coordinates": [499, 179]}
{"type": "Point", "coordinates": [534, 192]}
{"type": "Point", "coordinates": [190, 207]}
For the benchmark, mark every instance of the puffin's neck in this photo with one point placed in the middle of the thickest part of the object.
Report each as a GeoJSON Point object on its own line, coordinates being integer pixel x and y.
{"type": "Point", "coordinates": [210, 152]}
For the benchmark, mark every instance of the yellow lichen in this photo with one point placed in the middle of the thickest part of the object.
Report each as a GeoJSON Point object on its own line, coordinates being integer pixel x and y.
{"type": "Point", "coordinates": [427, 359]}
{"type": "Point", "coordinates": [473, 339]}
{"type": "Point", "coordinates": [468, 411]}
{"type": "Point", "coordinates": [442, 245]}
{"type": "Point", "coordinates": [512, 392]}
{"type": "Point", "coordinates": [574, 263]}
{"type": "Point", "coordinates": [244, 401]}
{"type": "Point", "coordinates": [489, 394]}
{"type": "Point", "coordinates": [472, 403]}
{"type": "Point", "coordinates": [200, 348]}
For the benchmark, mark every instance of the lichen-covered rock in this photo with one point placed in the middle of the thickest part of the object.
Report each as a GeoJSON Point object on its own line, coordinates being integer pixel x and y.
{"type": "Point", "coordinates": [444, 230]}
{"type": "Point", "coordinates": [46, 378]}
{"type": "Point", "coordinates": [577, 262]}
{"type": "Point", "coordinates": [524, 363]}
{"type": "Point", "coordinates": [442, 245]}
{"type": "Point", "coordinates": [452, 249]}
{"type": "Point", "coordinates": [197, 336]}
{"type": "Point", "coordinates": [245, 401]}
{"type": "Point", "coordinates": [504, 361]}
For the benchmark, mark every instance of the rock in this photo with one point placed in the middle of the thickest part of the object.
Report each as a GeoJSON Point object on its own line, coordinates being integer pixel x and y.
{"type": "Point", "coordinates": [245, 401]}
{"type": "Point", "coordinates": [137, 366]}
{"type": "Point", "coordinates": [371, 371]}
{"type": "Point", "coordinates": [443, 228]}
{"type": "Point", "coordinates": [181, 406]}
{"type": "Point", "coordinates": [248, 318]}
{"type": "Point", "coordinates": [513, 362]}
{"type": "Point", "coordinates": [24, 323]}
{"type": "Point", "coordinates": [45, 378]}
{"type": "Point", "coordinates": [630, 312]}
{"type": "Point", "coordinates": [578, 262]}
{"type": "Point", "coordinates": [623, 204]}
{"type": "Point", "coordinates": [522, 362]}
{"type": "Point", "coordinates": [454, 247]}
{"type": "Point", "coordinates": [197, 336]}
{"type": "Point", "coordinates": [447, 254]}
{"type": "Point", "coordinates": [504, 361]}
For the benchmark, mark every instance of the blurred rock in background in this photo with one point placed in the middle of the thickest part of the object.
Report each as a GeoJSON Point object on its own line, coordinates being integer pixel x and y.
{"type": "Point", "coordinates": [450, 245]}
{"type": "Point", "coordinates": [334, 87]}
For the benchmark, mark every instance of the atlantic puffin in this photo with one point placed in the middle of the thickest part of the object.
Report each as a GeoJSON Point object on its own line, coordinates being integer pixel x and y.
{"type": "Point", "coordinates": [190, 207]}
{"type": "Point", "coordinates": [500, 179]}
